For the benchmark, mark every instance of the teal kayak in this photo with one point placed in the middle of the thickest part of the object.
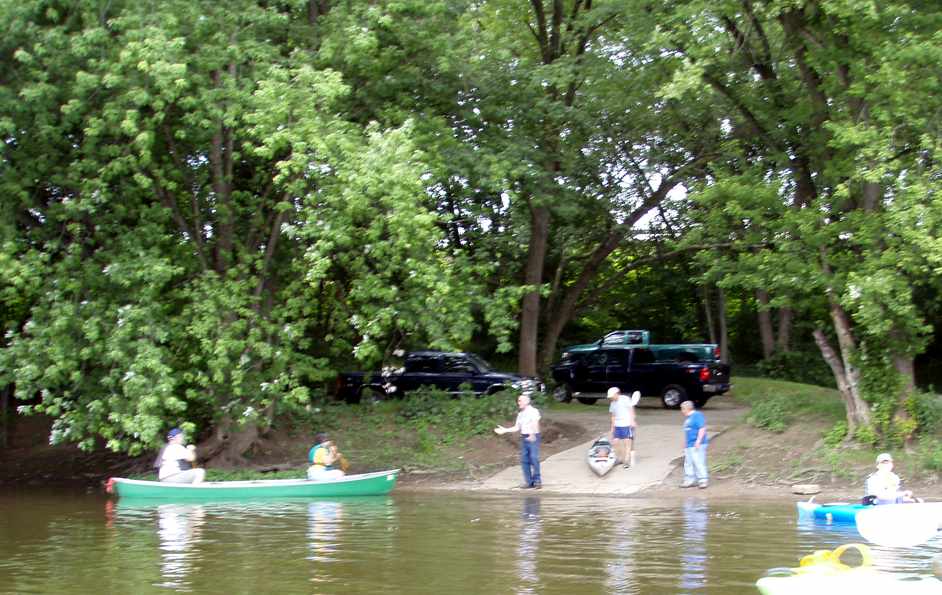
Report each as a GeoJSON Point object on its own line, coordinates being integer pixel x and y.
{"type": "Point", "coordinates": [365, 484]}
{"type": "Point", "coordinates": [831, 513]}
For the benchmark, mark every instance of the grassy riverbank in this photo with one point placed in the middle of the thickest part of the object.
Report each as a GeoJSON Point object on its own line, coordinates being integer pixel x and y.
{"type": "Point", "coordinates": [785, 436]}
{"type": "Point", "coordinates": [794, 433]}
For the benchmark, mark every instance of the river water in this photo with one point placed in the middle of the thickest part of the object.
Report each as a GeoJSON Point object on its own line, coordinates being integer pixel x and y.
{"type": "Point", "coordinates": [409, 542]}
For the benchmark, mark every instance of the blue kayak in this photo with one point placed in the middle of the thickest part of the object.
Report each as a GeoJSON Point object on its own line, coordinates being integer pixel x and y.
{"type": "Point", "coordinates": [837, 512]}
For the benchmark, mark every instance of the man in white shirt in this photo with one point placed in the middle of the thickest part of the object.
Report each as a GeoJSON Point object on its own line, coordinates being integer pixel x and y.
{"type": "Point", "coordinates": [528, 424]}
{"type": "Point", "coordinates": [622, 410]}
{"type": "Point", "coordinates": [884, 485]}
{"type": "Point", "coordinates": [176, 461]}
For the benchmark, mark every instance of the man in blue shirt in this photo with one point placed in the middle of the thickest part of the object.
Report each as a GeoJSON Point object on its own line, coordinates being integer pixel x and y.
{"type": "Point", "coordinates": [695, 445]}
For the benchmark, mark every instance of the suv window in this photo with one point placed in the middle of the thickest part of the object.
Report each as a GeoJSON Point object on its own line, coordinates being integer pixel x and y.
{"type": "Point", "coordinates": [423, 364]}
{"type": "Point", "coordinates": [457, 365]}
{"type": "Point", "coordinates": [642, 356]}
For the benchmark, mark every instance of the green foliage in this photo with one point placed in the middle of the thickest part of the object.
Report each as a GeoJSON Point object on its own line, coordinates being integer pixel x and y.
{"type": "Point", "coordinates": [797, 367]}
{"type": "Point", "coordinates": [867, 434]}
{"type": "Point", "coordinates": [790, 401]}
{"type": "Point", "coordinates": [929, 454]}
{"type": "Point", "coordinates": [836, 434]}
{"type": "Point", "coordinates": [773, 414]}
{"type": "Point", "coordinates": [456, 418]}
{"type": "Point", "coordinates": [926, 409]}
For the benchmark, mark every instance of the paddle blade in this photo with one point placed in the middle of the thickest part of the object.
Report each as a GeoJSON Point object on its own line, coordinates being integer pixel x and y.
{"type": "Point", "coordinates": [899, 525]}
{"type": "Point", "coordinates": [635, 397]}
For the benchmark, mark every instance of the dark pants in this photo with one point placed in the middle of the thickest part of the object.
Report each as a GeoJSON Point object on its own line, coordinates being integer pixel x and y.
{"type": "Point", "coordinates": [530, 459]}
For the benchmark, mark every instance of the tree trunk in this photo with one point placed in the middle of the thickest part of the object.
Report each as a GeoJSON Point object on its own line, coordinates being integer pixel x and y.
{"type": "Point", "coordinates": [903, 364]}
{"type": "Point", "coordinates": [765, 324]}
{"type": "Point", "coordinates": [708, 312]}
{"type": "Point", "coordinates": [723, 331]}
{"type": "Point", "coordinates": [5, 416]}
{"type": "Point", "coordinates": [856, 416]}
{"type": "Point", "coordinates": [533, 276]}
{"type": "Point", "coordinates": [228, 445]}
{"type": "Point", "coordinates": [784, 340]}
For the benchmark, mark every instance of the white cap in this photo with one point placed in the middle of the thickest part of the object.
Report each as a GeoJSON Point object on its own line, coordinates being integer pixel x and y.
{"type": "Point", "coordinates": [613, 392]}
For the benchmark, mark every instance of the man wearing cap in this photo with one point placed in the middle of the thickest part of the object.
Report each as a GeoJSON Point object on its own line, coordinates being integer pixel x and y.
{"type": "Point", "coordinates": [622, 411]}
{"type": "Point", "coordinates": [883, 485]}
{"type": "Point", "coordinates": [176, 461]}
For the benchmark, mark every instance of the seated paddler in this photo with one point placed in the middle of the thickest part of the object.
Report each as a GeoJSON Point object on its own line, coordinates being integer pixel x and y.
{"type": "Point", "coordinates": [326, 461]}
{"type": "Point", "coordinates": [883, 486]}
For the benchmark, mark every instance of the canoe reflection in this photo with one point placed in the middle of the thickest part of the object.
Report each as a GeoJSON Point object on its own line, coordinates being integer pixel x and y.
{"type": "Point", "coordinates": [325, 521]}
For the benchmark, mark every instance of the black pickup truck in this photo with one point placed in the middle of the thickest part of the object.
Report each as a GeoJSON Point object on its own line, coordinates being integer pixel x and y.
{"type": "Point", "coordinates": [451, 372]}
{"type": "Point", "coordinates": [660, 373]}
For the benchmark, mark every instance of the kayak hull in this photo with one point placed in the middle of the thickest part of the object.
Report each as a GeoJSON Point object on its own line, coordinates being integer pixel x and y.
{"type": "Point", "coordinates": [831, 513]}
{"type": "Point", "coordinates": [857, 582]}
{"type": "Point", "coordinates": [601, 457]}
{"type": "Point", "coordinates": [366, 484]}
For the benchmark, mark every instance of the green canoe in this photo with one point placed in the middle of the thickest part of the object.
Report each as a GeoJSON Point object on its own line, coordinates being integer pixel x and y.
{"type": "Point", "coordinates": [366, 484]}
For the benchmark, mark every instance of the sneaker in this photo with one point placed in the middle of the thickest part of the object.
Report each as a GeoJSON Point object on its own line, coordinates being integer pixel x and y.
{"type": "Point", "coordinates": [687, 484]}
{"type": "Point", "coordinates": [703, 484]}
{"type": "Point", "coordinates": [524, 486]}
{"type": "Point", "coordinates": [537, 486]}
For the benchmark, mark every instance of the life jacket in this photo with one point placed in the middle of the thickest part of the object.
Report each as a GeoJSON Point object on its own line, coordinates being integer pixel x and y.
{"type": "Point", "coordinates": [312, 454]}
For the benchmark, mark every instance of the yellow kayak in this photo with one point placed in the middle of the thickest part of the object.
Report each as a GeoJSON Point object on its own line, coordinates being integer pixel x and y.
{"type": "Point", "coordinates": [823, 573]}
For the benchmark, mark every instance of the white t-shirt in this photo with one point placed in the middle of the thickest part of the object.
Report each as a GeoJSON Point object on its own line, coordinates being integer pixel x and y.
{"type": "Point", "coordinates": [885, 486]}
{"type": "Point", "coordinates": [623, 411]}
{"type": "Point", "coordinates": [170, 464]}
{"type": "Point", "coordinates": [528, 420]}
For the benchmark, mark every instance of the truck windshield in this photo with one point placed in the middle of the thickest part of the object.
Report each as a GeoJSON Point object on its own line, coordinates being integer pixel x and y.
{"type": "Point", "coordinates": [482, 365]}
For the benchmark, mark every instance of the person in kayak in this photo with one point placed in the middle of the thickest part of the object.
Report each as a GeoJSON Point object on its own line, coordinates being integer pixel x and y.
{"type": "Point", "coordinates": [325, 459]}
{"type": "Point", "coordinates": [175, 462]}
{"type": "Point", "coordinates": [883, 486]}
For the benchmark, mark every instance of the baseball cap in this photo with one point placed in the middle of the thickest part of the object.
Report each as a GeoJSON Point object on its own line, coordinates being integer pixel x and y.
{"type": "Point", "coordinates": [613, 392]}
{"type": "Point", "coordinates": [884, 456]}
{"type": "Point", "coordinates": [174, 433]}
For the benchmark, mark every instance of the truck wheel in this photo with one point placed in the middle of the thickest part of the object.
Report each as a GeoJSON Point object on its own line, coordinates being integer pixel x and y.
{"type": "Point", "coordinates": [586, 400]}
{"type": "Point", "coordinates": [563, 393]}
{"type": "Point", "coordinates": [373, 395]}
{"type": "Point", "coordinates": [673, 396]}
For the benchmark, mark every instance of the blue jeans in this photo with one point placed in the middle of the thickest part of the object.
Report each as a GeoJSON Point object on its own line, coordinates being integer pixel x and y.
{"type": "Point", "coordinates": [530, 460]}
{"type": "Point", "coordinates": [695, 467]}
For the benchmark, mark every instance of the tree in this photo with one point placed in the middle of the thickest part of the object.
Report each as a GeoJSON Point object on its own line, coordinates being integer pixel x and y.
{"type": "Point", "coordinates": [210, 232]}
{"type": "Point", "coordinates": [827, 155]}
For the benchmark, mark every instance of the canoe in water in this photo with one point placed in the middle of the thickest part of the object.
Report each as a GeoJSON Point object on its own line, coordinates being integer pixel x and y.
{"type": "Point", "coordinates": [365, 484]}
{"type": "Point", "coordinates": [601, 456]}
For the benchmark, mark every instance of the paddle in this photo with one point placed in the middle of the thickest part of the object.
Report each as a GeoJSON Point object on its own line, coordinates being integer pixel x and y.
{"type": "Point", "coordinates": [635, 397]}
{"type": "Point", "coordinates": [900, 525]}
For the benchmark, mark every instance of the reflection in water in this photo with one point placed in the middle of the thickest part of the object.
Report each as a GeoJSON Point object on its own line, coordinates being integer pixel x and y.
{"type": "Point", "coordinates": [324, 521]}
{"type": "Point", "coordinates": [693, 558]}
{"type": "Point", "coordinates": [178, 528]}
{"type": "Point", "coordinates": [529, 545]}
{"type": "Point", "coordinates": [619, 577]}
